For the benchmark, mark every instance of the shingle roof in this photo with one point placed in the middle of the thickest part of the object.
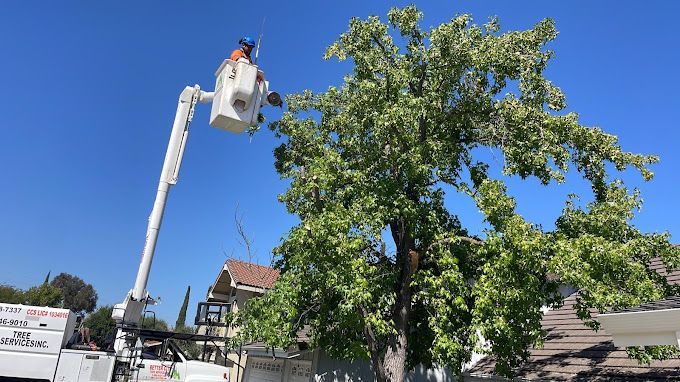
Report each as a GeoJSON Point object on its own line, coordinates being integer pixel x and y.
{"type": "Point", "coordinates": [574, 352]}
{"type": "Point", "coordinates": [657, 265]}
{"type": "Point", "coordinates": [253, 275]}
{"type": "Point", "coordinates": [672, 302]}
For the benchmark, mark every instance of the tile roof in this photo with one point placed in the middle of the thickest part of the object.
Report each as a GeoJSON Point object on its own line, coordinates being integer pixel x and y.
{"type": "Point", "coordinates": [253, 275]}
{"type": "Point", "coordinates": [574, 352]}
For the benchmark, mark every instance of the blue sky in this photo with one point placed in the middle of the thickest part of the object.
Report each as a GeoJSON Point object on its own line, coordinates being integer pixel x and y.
{"type": "Point", "coordinates": [90, 90]}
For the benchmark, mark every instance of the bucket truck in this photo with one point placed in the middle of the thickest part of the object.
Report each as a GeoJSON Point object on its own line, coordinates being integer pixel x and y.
{"type": "Point", "coordinates": [34, 340]}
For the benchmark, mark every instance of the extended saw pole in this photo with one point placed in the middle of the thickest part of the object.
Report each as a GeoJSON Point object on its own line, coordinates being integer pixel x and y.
{"type": "Point", "coordinates": [259, 41]}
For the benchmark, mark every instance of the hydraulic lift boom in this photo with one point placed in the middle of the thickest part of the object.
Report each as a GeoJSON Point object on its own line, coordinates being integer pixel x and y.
{"type": "Point", "coordinates": [238, 97]}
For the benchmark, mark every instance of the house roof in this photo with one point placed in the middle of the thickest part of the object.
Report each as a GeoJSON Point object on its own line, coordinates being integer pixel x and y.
{"type": "Point", "coordinates": [574, 352]}
{"type": "Point", "coordinates": [657, 265]}
{"type": "Point", "coordinates": [250, 274]}
{"type": "Point", "coordinates": [672, 302]}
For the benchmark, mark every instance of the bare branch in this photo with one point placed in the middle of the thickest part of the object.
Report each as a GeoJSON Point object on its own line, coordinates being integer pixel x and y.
{"type": "Point", "coordinates": [314, 308]}
{"type": "Point", "coordinates": [247, 242]}
{"type": "Point", "coordinates": [243, 238]}
{"type": "Point", "coordinates": [229, 255]}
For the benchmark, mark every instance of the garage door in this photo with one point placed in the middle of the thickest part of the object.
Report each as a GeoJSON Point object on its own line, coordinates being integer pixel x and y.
{"type": "Point", "coordinates": [264, 370]}
{"type": "Point", "coordinates": [299, 371]}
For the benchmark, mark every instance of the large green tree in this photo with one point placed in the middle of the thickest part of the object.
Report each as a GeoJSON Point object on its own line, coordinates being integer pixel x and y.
{"type": "Point", "coordinates": [101, 324]}
{"type": "Point", "coordinates": [11, 295]}
{"type": "Point", "coordinates": [151, 322]}
{"type": "Point", "coordinates": [43, 295]}
{"type": "Point", "coordinates": [77, 295]}
{"type": "Point", "coordinates": [380, 266]}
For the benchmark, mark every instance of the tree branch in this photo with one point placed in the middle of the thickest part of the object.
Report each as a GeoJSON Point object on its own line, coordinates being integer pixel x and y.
{"type": "Point", "coordinates": [388, 55]}
{"type": "Point", "coordinates": [244, 240]}
{"type": "Point", "coordinates": [371, 341]}
{"type": "Point", "coordinates": [380, 255]}
{"type": "Point", "coordinates": [314, 308]}
{"type": "Point", "coordinates": [451, 239]}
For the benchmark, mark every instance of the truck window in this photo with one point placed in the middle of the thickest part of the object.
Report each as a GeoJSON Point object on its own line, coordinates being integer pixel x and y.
{"type": "Point", "coordinates": [185, 347]}
{"type": "Point", "coordinates": [171, 353]}
{"type": "Point", "coordinates": [152, 349]}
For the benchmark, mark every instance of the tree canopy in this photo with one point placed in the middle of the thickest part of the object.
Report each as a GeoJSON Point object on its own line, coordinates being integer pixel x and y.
{"type": "Point", "coordinates": [101, 324]}
{"type": "Point", "coordinates": [10, 294]}
{"type": "Point", "coordinates": [77, 295]}
{"type": "Point", "coordinates": [43, 295]}
{"type": "Point", "coordinates": [65, 291]}
{"type": "Point", "coordinates": [151, 322]}
{"type": "Point", "coordinates": [380, 267]}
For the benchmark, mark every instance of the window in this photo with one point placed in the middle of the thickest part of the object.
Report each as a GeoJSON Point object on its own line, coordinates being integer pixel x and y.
{"type": "Point", "coordinates": [160, 350]}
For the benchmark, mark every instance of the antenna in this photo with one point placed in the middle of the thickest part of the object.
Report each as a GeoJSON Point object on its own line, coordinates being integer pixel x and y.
{"type": "Point", "coordinates": [259, 40]}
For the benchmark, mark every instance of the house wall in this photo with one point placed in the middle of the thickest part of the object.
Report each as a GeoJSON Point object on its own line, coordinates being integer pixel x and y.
{"type": "Point", "coordinates": [434, 374]}
{"type": "Point", "coordinates": [327, 369]}
{"type": "Point", "coordinates": [238, 300]}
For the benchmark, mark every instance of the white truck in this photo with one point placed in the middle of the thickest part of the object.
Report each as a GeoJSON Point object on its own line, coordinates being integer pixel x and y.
{"type": "Point", "coordinates": [34, 346]}
{"type": "Point", "coordinates": [34, 340]}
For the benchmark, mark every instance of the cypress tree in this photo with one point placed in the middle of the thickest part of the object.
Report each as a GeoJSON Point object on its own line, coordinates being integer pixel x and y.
{"type": "Point", "coordinates": [181, 318]}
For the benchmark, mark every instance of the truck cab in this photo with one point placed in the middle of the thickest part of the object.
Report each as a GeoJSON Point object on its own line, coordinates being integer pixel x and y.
{"type": "Point", "coordinates": [161, 359]}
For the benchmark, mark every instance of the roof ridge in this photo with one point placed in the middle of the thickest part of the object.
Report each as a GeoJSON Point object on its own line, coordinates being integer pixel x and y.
{"type": "Point", "coordinates": [252, 274]}
{"type": "Point", "coordinates": [250, 263]}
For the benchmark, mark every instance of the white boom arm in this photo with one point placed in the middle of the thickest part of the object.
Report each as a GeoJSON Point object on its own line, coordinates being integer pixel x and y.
{"type": "Point", "coordinates": [130, 311]}
{"type": "Point", "coordinates": [238, 96]}
{"type": "Point", "coordinates": [169, 175]}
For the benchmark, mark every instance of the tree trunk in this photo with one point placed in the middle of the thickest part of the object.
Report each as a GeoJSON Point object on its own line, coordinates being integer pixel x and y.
{"type": "Point", "coordinates": [395, 357]}
{"type": "Point", "coordinates": [373, 348]}
{"type": "Point", "coordinates": [394, 361]}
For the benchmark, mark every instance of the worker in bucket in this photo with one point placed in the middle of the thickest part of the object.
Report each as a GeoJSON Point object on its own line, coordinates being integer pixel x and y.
{"type": "Point", "coordinates": [247, 45]}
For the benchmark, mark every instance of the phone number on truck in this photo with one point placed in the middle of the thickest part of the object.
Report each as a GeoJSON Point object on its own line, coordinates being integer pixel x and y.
{"type": "Point", "coordinates": [10, 309]}
{"type": "Point", "coordinates": [10, 322]}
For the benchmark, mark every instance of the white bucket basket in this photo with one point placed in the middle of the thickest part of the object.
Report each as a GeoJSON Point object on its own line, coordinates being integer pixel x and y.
{"type": "Point", "coordinates": [238, 96]}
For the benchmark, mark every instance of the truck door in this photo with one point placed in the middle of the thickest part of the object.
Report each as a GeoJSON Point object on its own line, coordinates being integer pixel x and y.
{"type": "Point", "coordinates": [161, 362]}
